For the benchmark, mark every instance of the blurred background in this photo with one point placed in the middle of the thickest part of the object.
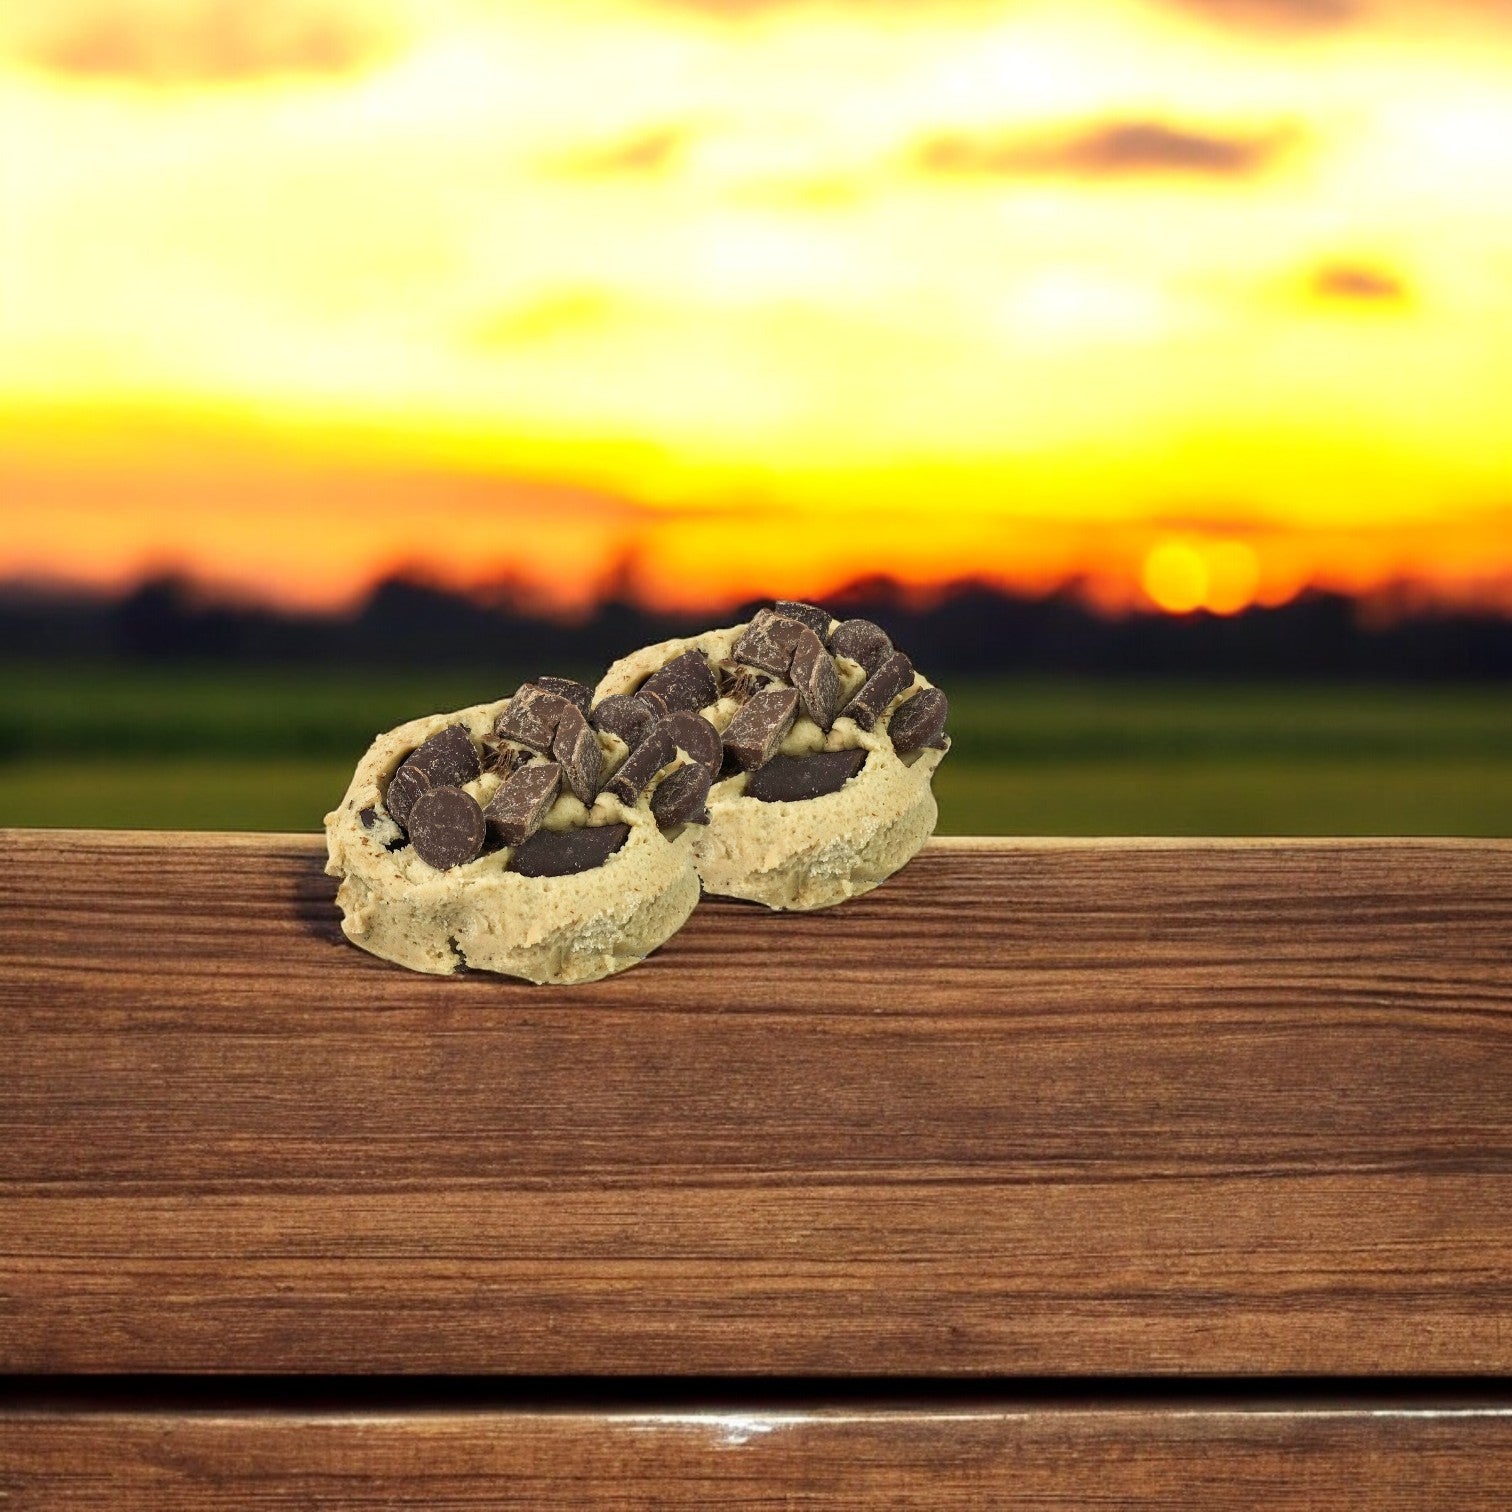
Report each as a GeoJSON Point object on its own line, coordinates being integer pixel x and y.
{"type": "Point", "coordinates": [1143, 365]}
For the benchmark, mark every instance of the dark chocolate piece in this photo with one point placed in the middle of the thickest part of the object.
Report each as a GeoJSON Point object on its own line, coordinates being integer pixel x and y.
{"type": "Point", "coordinates": [654, 752]}
{"type": "Point", "coordinates": [816, 678]}
{"type": "Point", "coordinates": [566, 687]}
{"type": "Point", "coordinates": [369, 817]}
{"type": "Point", "coordinates": [446, 828]}
{"type": "Point", "coordinates": [879, 690]}
{"type": "Point", "coordinates": [531, 717]}
{"type": "Point", "coordinates": [790, 779]}
{"type": "Point", "coordinates": [685, 683]}
{"type": "Point", "coordinates": [448, 758]}
{"type": "Point", "coordinates": [863, 642]}
{"type": "Point", "coordinates": [817, 619]}
{"type": "Point", "coordinates": [649, 698]}
{"type": "Point", "coordinates": [768, 642]}
{"type": "Point", "coordinates": [680, 796]}
{"type": "Point", "coordinates": [406, 785]}
{"type": "Point", "coordinates": [761, 725]}
{"type": "Point", "coordinates": [740, 682]}
{"type": "Point", "coordinates": [623, 716]}
{"type": "Point", "coordinates": [515, 812]}
{"type": "Point", "coordinates": [919, 721]}
{"type": "Point", "coordinates": [559, 853]}
{"type": "Point", "coordinates": [577, 748]}
{"type": "Point", "coordinates": [506, 756]}
{"type": "Point", "coordinates": [694, 734]}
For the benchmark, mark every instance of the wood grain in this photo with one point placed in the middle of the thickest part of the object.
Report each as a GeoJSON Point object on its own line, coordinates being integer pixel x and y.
{"type": "Point", "coordinates": [1279, 1459]}
{"type": "Point", "coordinates": [1030, 1108]}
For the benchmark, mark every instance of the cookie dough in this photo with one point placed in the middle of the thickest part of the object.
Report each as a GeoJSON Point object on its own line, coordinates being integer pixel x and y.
{"type": "Point", "coordinates": [480, 914]}
{"type": "Point", "coordinates": [810, 852]}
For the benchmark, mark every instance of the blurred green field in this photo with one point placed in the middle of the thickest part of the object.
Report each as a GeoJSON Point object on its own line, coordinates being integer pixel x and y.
{"type": "Point", "coordinates": [213, 748]}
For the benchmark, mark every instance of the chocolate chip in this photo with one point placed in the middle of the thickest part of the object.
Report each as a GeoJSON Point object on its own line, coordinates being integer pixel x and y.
{"type": "Point", "coordinates": [656, 750]}
{"type": "Point", "coordinates": [577, 748]}
{"type": "Point", "coordinates": [768, 643]}
{"type": "Point", "coordinates": [685, 683]}
{"type": "Point", "coordinates": [919, 721]}
{"type": "Point", "coordinates": [739, 682]}
{"type": "Point", "coordinates": [515, 812]}
{"type": "Point", "coordinates": [863, 642]}
{"type": "Point", "coordinates": [761, 725]}
{"type": "Point", "coordinates": [531, 717]}
{"type": "Point", "coordinates": [650, 699]}
{"type": "Point", "coordinates": [791, 779]}
{"type": "Point", "coordinates": [814, 674]}
{"type": "Point", "coordinates": [694, 734]}
{"type": "Point", "coordinates": [369, 817]}
{"type": "Point", "coordinates": [680, 796]}
{"type": "Point", "coordinates": [446, 828]}
{"type": "Point", "coordinates": [566, 687]}
{"type": "Point", "coordinates": [558, 853]}
{"type": "Point", "coordinates": [506, 756]}
{"type": "Point", "coordinates": [448, 758]}
{"type": "Point", "coordinates": [879, 690]}
{"type": "Point", "coordinates": [406, 785]}
{"type": "Point", "coordinates": [817, 619]}
{"type": "Point", "coordinates": [623, 716]}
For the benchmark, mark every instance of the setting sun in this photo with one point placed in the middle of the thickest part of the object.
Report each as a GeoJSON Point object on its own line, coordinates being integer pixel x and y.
{"type": "Point", "coordinates": [1192, 305]}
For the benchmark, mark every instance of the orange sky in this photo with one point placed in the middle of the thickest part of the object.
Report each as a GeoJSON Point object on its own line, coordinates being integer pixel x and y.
{"type": "Point", "coordinates": [1194, 301]}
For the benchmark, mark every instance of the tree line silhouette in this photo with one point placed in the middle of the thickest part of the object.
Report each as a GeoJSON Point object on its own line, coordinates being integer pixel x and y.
{"type": "Point", "coordinates": [965, 628]}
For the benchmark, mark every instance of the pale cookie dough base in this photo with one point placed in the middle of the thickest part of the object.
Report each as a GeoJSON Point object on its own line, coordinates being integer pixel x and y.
{"type": "Point", "coordinates": [817, 852]}
{"type": "Point", "coordinates": [576, 928]}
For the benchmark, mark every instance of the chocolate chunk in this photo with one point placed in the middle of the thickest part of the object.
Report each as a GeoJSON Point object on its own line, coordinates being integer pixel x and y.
{"type": "Point", "coordinates": [879, 690]}
{"type": "Point", "coordinates": [768, 642]}
{"type": "Point", "coordinates": [558, 853]}
{"type": "Point", "coordinates": [656, 750]}
{"type": "Point", "coordinates": [680, 796]}
{"type": "Point", "coordinates": [761, 725]}
{"type": "Point", "coordinates": [738, 682]}
{"type": "Point", "coordinates": [406, 785]}
{"type": "Point", "coordinates": [863, 642]}
{"type": "Point", "coordinates": [623, 716]}
{"type": "Point", "coordinates": [515, 812]}
{"type": "Point", "coordinates": [816, 678]}
{"type": "Point", "coordinates": [577, 748]}
{"type": "Point", "coordinates": [685, 683]}
{"type": "Point", "coordinates": [369, 817]}
{"type": "Point", "coordinates": [566, 687]}
{"type": "Point", "coordinates": [448, 758]}
{"type": "Point", "coordinates": [506, 756]}
{"type": "Point", "coordinates": [446, 828]}
{"type": "Point", "coordinates": [919, 721]}
{"type": "Point", "coordinates": [694, 734]}
{"type": "Point", "coordinates": [790, 779]}
{"type": "Point", "coordinates": [650, 699]}
{"type": "Point", "coordinates": [531, 717]}
{"type": "Point", "coordinates": [817, 619]}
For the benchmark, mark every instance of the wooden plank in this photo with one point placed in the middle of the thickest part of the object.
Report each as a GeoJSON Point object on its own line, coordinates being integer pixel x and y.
{"type": "Point", "coordinates": [1031, 1108]}
{"type": "Point", "coordinates": [1277, 1458]}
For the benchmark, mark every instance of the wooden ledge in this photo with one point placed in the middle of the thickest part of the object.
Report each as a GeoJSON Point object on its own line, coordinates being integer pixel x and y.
{"type": "Point", "coordinates": [1039, 1107]}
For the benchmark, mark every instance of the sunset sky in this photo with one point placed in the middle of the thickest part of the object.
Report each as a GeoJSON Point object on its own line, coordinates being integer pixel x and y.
{"type": "Point", "coordinates": [1196, 302]}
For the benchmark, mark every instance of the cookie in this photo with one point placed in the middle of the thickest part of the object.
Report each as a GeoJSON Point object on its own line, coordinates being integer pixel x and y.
{"type": "Point", "coordinates": [526, 866]}
{"type": "Point", "coordinates": [815, 800]}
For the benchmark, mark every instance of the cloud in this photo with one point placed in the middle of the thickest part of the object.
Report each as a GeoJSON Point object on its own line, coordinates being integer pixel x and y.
{"type": "Point", "coordinates": [1116, 149]}
{"type": "Point", "coordinates": [558, 313]}
{"type": "Point", "coordinates": [1278, 15]}
{"type": "Point", "coordinates": [196, 41]}
{"type": "Point", "coordinates": [647, 152]}
{"type": "Point", "coordinates": [1358, 283]}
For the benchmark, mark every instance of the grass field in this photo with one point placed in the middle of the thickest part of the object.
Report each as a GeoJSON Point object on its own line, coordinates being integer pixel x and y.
{"type": "Point", "coordinates": [210, 748]}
